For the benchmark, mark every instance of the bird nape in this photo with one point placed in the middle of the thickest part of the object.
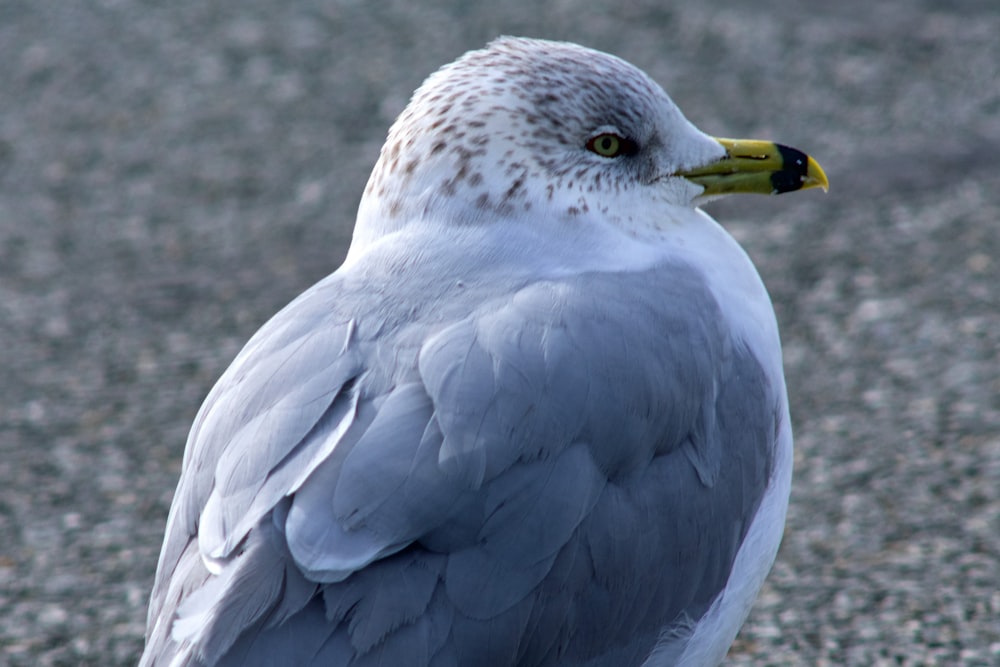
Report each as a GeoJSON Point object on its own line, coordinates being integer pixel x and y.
{"type": "Point", "coordinates": [537, 417]}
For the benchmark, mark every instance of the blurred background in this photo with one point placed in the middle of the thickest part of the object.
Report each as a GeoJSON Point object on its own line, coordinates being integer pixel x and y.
{"type": "Point", "coordinates": [173, 173]}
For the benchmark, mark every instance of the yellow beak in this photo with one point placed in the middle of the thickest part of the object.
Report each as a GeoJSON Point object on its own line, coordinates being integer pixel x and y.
{"type": "Point", "coordinates": [760, 167]}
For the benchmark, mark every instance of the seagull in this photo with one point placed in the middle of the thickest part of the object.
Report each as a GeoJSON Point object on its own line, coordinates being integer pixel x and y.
{"type": "Point", "coordinates": [537, 417]}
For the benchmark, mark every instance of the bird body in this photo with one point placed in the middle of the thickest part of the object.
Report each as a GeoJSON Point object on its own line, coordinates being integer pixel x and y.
{"type": "Point", "coordinates": [538, 416]}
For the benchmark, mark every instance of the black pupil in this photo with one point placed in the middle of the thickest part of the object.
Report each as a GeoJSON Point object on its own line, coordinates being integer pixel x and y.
{"type": "Point", "coordinates": [606, 143]}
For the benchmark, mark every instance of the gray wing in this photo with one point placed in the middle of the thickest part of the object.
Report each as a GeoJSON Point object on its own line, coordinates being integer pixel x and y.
{"type": "Point", "coordinates": [559, 474]}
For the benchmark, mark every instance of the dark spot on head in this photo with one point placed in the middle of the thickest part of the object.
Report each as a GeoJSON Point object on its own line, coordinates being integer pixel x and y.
{"type": "Point", "coordinates": [514, 187]}
{"type": "Point", "coordinates": [573, 210]}
{"type": "Point", "coordinates": [437, 147]}
{"type": "Point", "coordinates": [483, 200]}
{"type": "Point", "coordinates": [475, 179]}
{"type": "Point", "coordinates": [514, 166]}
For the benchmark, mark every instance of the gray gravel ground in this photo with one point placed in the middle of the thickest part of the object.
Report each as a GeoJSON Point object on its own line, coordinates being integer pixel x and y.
{"type": "Point", "coordinates": [173, 173]}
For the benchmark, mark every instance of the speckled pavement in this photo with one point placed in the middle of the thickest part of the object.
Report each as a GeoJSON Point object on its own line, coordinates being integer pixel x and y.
{"type": "Point", "coordinates": [173, 173]}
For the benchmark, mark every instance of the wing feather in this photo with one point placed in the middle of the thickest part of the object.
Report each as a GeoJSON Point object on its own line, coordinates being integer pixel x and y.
{"type": "Point", "coordinates": [496, 491]}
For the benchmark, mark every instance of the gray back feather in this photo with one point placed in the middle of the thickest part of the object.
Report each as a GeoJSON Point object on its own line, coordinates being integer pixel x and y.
{"type": "Point", "coordinates": [484, 486]}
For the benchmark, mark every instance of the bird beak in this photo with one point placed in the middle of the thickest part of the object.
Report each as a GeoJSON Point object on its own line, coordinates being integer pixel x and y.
{"type": "Point", "coordinates": [760, 167]}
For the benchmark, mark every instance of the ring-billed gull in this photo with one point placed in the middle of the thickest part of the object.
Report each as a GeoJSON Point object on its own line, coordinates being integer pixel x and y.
{"type": "Point", "coordinates": [538, 417]}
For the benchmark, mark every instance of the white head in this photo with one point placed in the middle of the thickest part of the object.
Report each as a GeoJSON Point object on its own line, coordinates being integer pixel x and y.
{"type": "Point", "coordinates": [521, 126]}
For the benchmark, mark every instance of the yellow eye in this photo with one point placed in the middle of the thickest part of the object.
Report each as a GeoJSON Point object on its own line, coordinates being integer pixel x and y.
{"type": "Point", "coordinates": [611, 145]}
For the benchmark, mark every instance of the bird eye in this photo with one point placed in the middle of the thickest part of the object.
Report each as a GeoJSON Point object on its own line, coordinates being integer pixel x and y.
{"type": "Point", "coordinates": [611, 145]}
